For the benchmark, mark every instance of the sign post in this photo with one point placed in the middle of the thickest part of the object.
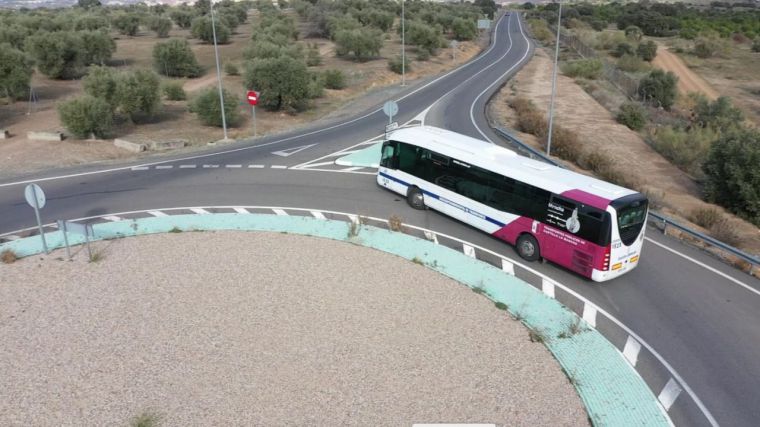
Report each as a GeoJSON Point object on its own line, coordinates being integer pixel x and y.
{"type": "Point", "coordinates": [36, 199]}
{"type": "Point", "coordinates": [390, 109]}
{"type": "Point", "coordinates": [76, 228]}
{"type": "Point", "coordinates": [253, 99]}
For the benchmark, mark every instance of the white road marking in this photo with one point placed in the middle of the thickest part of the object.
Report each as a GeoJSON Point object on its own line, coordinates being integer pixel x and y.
{"type": "Point", "coordinates": [200, 211]}
{"type": "Point", "coordinates": [342, 153]}
{"type": "Point", "coordinates": [353, 218]}
{"type": "Point", "coordinates": [307, 169]}
{"type": "Point", "coordinates": [157, 213]}
{"type": "Point", "coordinates": [669, 394]}
{"type": "Point", "coordinates": [210, 166]}
{"type": "Point", "coordinates": [370, 142]}
{"type": "Point", "coordinates": [278, 167]}
{"type": "Point", "coordinates": [140, 168]}
{"type": "Point", "coordinates": [701, 264]}
{"type": "Point", "coordinates": [233, 166]}
{"type": "Point", "coordinates": [355, 168]}
{"type": "Point", "coordinates": [507, 267]}
{"type": "Point", "coordinates": [256, 166]}
{"type": "Point", "coordinates": [431, 236]}
{"type": "Point", "coordinates": [631, 350]}
{"type": "Point", "coordinates": [314, 165]}
{"type": "Point", "coordinates": [468, 250]}
{"type": "Point", "coordinates": [11, 237]}
{"type": "Point", "coordinates": [589, 313]}
{"type": "Point", "coordinates": [290, 151]}
{"type": "Point", "coordinates": [164, 166]}
{"type": "Point", "coordinates": [241, 210]}
{"type": "Point", "coordinates": [112, 218]}
{"type": "Point", "coordinates": [318, 214]}
{"type": "Point", "coordinates": [547, 287]}
{"type": "Point", "coordinates": [187, 166]}
{"type": "Point", "coordinates": [280, 212]}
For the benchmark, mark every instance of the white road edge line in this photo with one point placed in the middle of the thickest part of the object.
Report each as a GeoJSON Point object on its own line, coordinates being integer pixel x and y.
{"type": "Point", "coordinates": [707, 267]}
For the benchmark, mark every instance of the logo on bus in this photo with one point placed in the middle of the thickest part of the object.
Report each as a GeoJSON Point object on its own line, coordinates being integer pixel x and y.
{"type": "Point", "coordinates": [572, 224]}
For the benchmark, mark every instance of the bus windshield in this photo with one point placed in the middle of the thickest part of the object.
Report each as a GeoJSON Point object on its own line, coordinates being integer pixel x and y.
{"type": "Point", "coordinates": [632, 215]}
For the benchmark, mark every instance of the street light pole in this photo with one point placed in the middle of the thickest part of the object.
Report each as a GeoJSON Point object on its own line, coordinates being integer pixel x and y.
{"type": "Point", "coordinates": [554, 82]}
{"type": "Point", "coordinates": [218, 70]}
{"type": "Point", "coordinates": [403, 53]}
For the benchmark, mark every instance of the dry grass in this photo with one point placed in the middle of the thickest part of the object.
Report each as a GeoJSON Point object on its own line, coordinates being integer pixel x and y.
{"type": "Point", "coordinates": [395, 223]}
{"type": "Point", "coordinates": [705, 217]}
{"type": "Point", "coordinates": [725, 231]}
{"type": "Point", "coordinates": [8, 256]}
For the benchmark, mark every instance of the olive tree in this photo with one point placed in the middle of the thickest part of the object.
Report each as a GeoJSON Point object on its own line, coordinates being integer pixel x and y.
{"type": "Point", "coordinates": [138, 93]}
{"type": "Point", "coordinates": [283, 82]}
{"type": "Point", "coordinates": [208, 108]}
{"type": "Point", "coordinates": [59, 55]}
{"type": "Point", "coordinates": [85, 116]}
{"type": "Point", "coordinates": [174, 58]}
{"type": "Point", "coordinates": [15, 72]}
{"type": "Point", "coordinates": [202, 29]}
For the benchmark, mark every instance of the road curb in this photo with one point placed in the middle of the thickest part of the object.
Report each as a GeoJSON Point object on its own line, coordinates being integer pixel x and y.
{"type": "Point", "coordinates": [611, 389]}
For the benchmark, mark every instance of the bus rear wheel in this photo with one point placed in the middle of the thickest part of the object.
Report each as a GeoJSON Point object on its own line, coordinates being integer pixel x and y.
{"type": "Point", "coordinates": [415, 198]}
{"type": "Point", "coordinates": [527, 248]}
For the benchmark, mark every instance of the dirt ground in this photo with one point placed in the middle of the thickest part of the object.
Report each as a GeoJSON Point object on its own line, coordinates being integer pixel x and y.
{"type": "Point", "coordinates": [18, 155]}
{"type": "Point", "coordinates": [688, 81]}
{"type": "Point", "coordinates": [598, 130]}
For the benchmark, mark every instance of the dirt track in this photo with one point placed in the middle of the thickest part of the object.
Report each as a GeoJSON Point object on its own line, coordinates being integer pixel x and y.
{"type": "Point", "coordinates": [688, 81]}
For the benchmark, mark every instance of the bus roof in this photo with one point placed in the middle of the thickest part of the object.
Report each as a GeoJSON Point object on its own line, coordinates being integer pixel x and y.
{"type": "Point", "coordinates": [583, 188]}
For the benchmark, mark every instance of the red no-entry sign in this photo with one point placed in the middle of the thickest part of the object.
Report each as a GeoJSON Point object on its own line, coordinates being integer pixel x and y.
{"type": "Point", "coordinates": [253, 97]}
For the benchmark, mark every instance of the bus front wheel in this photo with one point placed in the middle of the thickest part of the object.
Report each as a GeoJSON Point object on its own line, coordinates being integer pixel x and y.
{"type": "Point", "coordinates": [527, 248]}
{"type": "Point", "coordinates": [415, 199]}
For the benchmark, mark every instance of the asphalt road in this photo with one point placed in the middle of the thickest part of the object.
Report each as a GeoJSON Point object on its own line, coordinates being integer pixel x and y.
{"type": "Point", "coordinates": [705, 324]}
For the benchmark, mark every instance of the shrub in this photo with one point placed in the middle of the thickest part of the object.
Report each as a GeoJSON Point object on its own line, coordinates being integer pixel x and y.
{"type": "Point", "coordinates": [161, 25]}
{"type": "Point", "coordinates": [183, 18]}
{"type": "Point", "coordinates": [313, 58]}
{"type": "Point", "coordinates": [540, 30]}
{"type": "Point", "coordinates": [174, 58]}
{"type": "Point", "coordinates": [726, 232]}
{"type": "Point", "coordinates": [127, 23]}
{"type": "Point", "coordinates": [565, 144]}
{"type": "Point", "coordinates": [397, 66]}
{"type": "Point", "coordinates": [58, 55]}
{"type": "Point", "coordinates": [174, 91]}
{"type": "Point", "coordinates": [98, 46]}
{"type": "Point", "coordinates": [423, 35]}
{"type": "Point", "coordinates": [202, 29]}
{"type": "Point", "coordinates": [687, 150]}
{"type": "Point", "coordinates": [586, 68]}
{"type": "Point", "coordinates": [732, 174]}
{"type": "Point", "coordinates": [529, 119]}
{"type": "Point", "coordinates": [423, 55]}
{"type": "Point", "coordinates": [138, 93]}
{"type": "Point", "coordinates": [335, 79]}
{"type": "Point", "coordinates": [283, 82]}
{"type": "Point", "coordinates": [208, 108]}
{"type": "Point", "coordinates": [632, 115]}
{"type": "Point", "coordinates": [363, 43]}
{"type": "Point", "coordinates": [100, 82]}
{"type": "Point", "coordinates": [316, 86]}
{"type": "Point", "coordinates": [610, 39]}
{"type": "Point", "coordinates": [705, 217]}
{"type": "Point", "coordinates": [659, 88]}
{"type": "Point", "coordinates": [91, 22]}
{"type": "Point", "coordinates": [621, 49]}
{"type": "Point", "coordinates": [8, 256]}
{"type": "Point", "coordinates": [632, 64]}
{"type": "Point", "coordinates": [756, 45]}
{"type": "Point", "coordinates": [15, 72]}
{"type": "Point", "coordinates": [719, 114]}
{"type": "Point", "coordinates": [86, 115]}
{"type": "Point", "coordinates": [634, 33]}
{"type": "Point", "coordinates": [647, 50]}
{"type": "Point", "coordinates": [705, 47]}
{"type": "Point", "coordinates": [231, 69]}
{"type": "Point", "coordinates": [464, 29]}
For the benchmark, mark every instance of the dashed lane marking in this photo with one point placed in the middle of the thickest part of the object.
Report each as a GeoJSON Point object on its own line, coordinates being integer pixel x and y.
{"type": "Point", "coordinates": [210, 166]}
{"type": "Point", "coordinates": [233, 166]}
{"type": "Point", "coordinates": [255, 166]}
{"type": "Point", "coordinates": [241, 210]}
{"type": "Point", "coordinates": [187, 166]}
{"type": "Point", "coordinates": [669, 394]}
{"type": "Point", "coordinates": [140, 168]}
{"type": "Point", "coordinates": [631, 350]}
{"type": "Point", "coordinates": [164, 166]}
{"type": "Point", "coordinates": [278, 167]}
{"type": "Point", "coordinates": [157, 213]}
{"type": "Point", "coordinates": [318, 215]}
{"type": "Point", "coordinates": [200, 211]}
{"type": "Point", "coordinates": [280, 212]}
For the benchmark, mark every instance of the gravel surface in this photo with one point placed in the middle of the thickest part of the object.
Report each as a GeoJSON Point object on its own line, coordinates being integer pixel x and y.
{"type": "Point", "coordinates": [231, 328]}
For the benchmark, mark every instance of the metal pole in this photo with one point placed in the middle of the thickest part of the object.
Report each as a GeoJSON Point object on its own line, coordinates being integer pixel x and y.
{"type": "Point", "coordinates": [218, 70]}
{"type": "Point", "coordinates": [403, 50]}
{"type": "Point", "coordinates": [62, 228]}
{"type": "Point", "coordinates": [253, 111]}
{"type": "Point", "coordinates": [39, 222]}
{"type": "Point", "coordinates": [554, 83]}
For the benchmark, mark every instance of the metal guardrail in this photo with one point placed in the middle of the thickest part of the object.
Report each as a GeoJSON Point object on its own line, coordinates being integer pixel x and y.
{"type": "Point", "coordinates": [664, 220]}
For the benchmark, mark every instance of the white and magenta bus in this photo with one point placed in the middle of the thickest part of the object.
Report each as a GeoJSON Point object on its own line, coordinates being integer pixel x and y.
{"type": "Point", "coordinates": [589, 226]}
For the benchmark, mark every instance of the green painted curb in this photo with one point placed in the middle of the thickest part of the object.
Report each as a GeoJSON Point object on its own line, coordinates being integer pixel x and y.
{"type": "Point", "coordinates": [368, 157]}
{"type": "Point", "coordinates": [613, 392]}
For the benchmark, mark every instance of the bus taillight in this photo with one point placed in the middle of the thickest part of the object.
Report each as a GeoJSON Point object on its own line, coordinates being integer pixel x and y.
{"type": "Point", "coordinates": [606, 261]}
